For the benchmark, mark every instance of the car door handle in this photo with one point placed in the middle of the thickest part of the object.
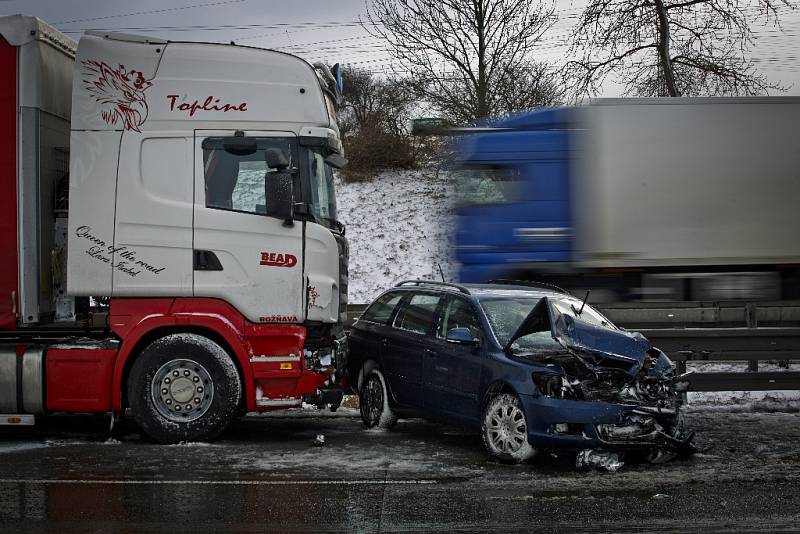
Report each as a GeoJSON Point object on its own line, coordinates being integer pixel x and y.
{"type": "Point", "coordinates": [430, 353]}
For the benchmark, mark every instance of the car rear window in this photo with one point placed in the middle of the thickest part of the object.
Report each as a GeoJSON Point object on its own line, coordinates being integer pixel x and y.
{"type": "Point", "coordinates": [417, 315]}
{"type": "Point", "coordinates": [381, 310]}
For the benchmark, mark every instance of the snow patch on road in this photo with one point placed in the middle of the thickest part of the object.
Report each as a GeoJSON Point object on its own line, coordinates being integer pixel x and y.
{"type": "Point", "coordinates": [20, 446]}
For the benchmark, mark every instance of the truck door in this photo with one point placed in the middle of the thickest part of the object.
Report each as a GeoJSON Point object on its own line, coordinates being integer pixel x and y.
{"type": "Point", "coordinates": [242, 255]}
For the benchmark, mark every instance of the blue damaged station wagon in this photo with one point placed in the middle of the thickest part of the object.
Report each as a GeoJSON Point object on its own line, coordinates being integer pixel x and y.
{"type": "Point", "coordinates": [532, 367]}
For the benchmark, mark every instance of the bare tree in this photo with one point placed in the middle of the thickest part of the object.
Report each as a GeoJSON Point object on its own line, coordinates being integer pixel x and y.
{"type": "Point", "coordinates": [373, 120]}
{"type": "Point", "coordinates": [459, 53]}
{"type": "Point", "coordinates": [371, 102]}
{"type": "Point", "coordinates": [670, 47]}
{"type": "Point", "coordinates": [528, 85]}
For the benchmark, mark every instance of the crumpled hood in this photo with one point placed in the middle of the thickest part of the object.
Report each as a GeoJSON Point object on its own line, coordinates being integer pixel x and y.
{"type": "Point", "coordinates": [601, 343]}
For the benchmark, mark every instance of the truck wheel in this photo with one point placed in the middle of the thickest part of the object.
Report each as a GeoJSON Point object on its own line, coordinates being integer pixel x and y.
{"type": "Point", "coordinates": [505, 431]}
{"type": "Point", "coordinates": [374, 402]}
{"type": "Point", "coordinates": [184, 387]}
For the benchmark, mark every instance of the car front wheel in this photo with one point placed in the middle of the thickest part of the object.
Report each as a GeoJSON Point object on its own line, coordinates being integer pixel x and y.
{"type": "Point", "coordinates": [505, 430]}
{"type": "Point", "coordinates": [374, 402]}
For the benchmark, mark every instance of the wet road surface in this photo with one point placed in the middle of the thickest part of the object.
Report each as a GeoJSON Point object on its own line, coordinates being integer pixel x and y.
{"type": "Point", "coordinates": [265, 474]}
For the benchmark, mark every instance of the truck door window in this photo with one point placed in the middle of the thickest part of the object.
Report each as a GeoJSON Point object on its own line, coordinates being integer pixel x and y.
{"type": "Point", "coordinates": [237, 181]}
{"type": "Point", "coordinates": [486, 184]}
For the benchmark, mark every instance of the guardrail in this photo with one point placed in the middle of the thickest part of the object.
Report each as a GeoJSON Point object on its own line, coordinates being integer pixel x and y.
{"type": "Point", "coordinates": [750, 345]}
{"type": "Point", "coordinates": [670, 329]}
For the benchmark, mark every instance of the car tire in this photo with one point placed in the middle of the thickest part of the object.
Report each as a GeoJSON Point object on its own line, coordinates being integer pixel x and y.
{"type": "Point", "coordinates": [374, 402]}
{"type": "Point", "coordinates": [184, 387]}
{"type": "Point", "coordinates": [504, 430]}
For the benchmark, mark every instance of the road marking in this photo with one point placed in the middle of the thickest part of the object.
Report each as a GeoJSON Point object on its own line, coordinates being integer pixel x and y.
{"type": "Point", "coordinates": [371, 482]}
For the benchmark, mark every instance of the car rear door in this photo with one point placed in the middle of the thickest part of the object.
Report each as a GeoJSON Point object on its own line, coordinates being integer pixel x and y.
{"type": "Point", "coordinates": [452, 371]}
{"type": "Point", "coordinates": [368, 333]}
{"type": "Point", "coordinates": [405, 344]}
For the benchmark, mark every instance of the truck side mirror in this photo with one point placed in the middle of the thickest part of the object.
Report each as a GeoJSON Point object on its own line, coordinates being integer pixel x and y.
{"type": "Point", "coordinates": [279, 194]}
{"type": "Point", "coordinates": [275, 158]}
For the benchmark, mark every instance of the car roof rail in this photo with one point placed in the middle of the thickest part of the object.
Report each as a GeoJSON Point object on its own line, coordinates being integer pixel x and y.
{"type": "Point", "coordinates": [433, 283]}
{"type": "Point", "coordinates": [529, 283]}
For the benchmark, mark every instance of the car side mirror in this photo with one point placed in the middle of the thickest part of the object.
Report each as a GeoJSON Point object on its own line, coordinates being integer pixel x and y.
{"type": "Point", "coordinates": [462, 336]}
{"type": "Point", "coordinates": [279, 194]}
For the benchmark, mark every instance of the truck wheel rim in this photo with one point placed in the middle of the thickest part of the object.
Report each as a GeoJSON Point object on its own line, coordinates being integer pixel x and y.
{"type": "Point", "coordinates": [507, 429]}
{"type": "Point", "coordinates": [182, 390]}
{"type": "Point", "coordinates": [373, 401]}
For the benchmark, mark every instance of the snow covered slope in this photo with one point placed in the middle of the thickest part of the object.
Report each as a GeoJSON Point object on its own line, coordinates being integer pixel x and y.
{"type": "Point", "coordinates": [398, 226]}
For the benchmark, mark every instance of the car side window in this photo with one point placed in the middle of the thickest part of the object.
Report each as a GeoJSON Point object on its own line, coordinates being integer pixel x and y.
{"type": "Point", "coordinates": [381, 310]}
{"type": "Point", "coordinates": [457, 313]}
{"type": "Point", "coordinates": [417, 315]}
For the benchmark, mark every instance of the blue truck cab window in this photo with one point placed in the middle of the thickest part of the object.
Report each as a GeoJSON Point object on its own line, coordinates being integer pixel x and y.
{"type": "Point", "coordinates": [486, 184]}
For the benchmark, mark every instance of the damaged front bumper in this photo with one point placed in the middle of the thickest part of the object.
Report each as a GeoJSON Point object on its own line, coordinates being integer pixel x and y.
{"type": "Point", "coordinates": [566, 423]}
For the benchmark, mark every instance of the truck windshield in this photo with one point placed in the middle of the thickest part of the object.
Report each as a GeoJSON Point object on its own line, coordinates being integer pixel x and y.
{"type": "Point", "coordinates": [322, 196]}
{"type": "Point", "coordinates": [486, 184]}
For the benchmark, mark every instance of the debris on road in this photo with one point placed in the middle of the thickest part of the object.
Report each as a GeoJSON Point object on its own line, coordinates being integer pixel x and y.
{"type": "Point", "coordinates": [319, 441]}
{"type": "Point", "coordinates": [598, 459]}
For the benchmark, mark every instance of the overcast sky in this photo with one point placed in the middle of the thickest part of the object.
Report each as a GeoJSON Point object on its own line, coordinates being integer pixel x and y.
{"type": "Point", "coordinates": [327, 30]}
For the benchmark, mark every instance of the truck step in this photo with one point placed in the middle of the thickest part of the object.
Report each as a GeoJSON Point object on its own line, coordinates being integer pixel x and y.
{"type": "Point", "coordinates": [284, 403]}
{"type": "Point", "coordinates": [17, 420]}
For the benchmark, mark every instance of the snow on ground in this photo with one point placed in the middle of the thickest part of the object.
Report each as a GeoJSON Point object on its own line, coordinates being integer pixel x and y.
{"type": "Point", "coordinates": [743, 401]}
{"type": "Point", "coordinates": [398, 226]}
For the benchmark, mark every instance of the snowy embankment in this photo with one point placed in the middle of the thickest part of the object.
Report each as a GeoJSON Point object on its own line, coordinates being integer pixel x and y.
{"type": "Point", "coordinates": [399, 227]}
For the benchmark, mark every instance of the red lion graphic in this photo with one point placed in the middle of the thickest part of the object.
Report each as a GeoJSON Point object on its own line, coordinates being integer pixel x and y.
{"type": "Point", "coordinates": [120, 93]}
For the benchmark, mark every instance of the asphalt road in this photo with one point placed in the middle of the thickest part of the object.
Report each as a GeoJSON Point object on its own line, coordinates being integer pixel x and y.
{"type": "Point", "coordinates": [265, 474]}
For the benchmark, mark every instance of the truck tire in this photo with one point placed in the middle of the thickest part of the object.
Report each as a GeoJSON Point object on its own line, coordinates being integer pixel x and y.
{"type": "Point", "coordinates": [504, 430]}
{"type": "Point", "coordinates": [373, 402]}
{"type": "Point", "coordinates": [184, 387]}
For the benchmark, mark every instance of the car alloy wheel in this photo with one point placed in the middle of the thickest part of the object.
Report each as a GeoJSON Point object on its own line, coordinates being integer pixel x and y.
{"type": "Point", "coordinates": [505, 430]}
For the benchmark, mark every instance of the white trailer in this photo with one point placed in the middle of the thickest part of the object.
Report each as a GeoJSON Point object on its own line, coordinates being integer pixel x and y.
{"type": "Point", "coordinates": [692, 183]}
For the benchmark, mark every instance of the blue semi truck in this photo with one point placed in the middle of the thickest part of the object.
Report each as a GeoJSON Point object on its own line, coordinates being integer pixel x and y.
{"type": "Point", "coordinates": [640, 199]}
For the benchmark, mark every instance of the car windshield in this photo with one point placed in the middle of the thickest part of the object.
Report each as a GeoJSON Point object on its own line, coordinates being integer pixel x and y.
{"type": "Point", "coordinates": [572, 306]}
{"type": "Point", "coordinates": [506, 314]}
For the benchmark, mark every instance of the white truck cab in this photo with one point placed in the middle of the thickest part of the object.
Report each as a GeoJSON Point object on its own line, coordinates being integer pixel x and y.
{"type": "Point", "coordinates": [174, 190]}
{"type": "Point", "coordinates": [206, 270]}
